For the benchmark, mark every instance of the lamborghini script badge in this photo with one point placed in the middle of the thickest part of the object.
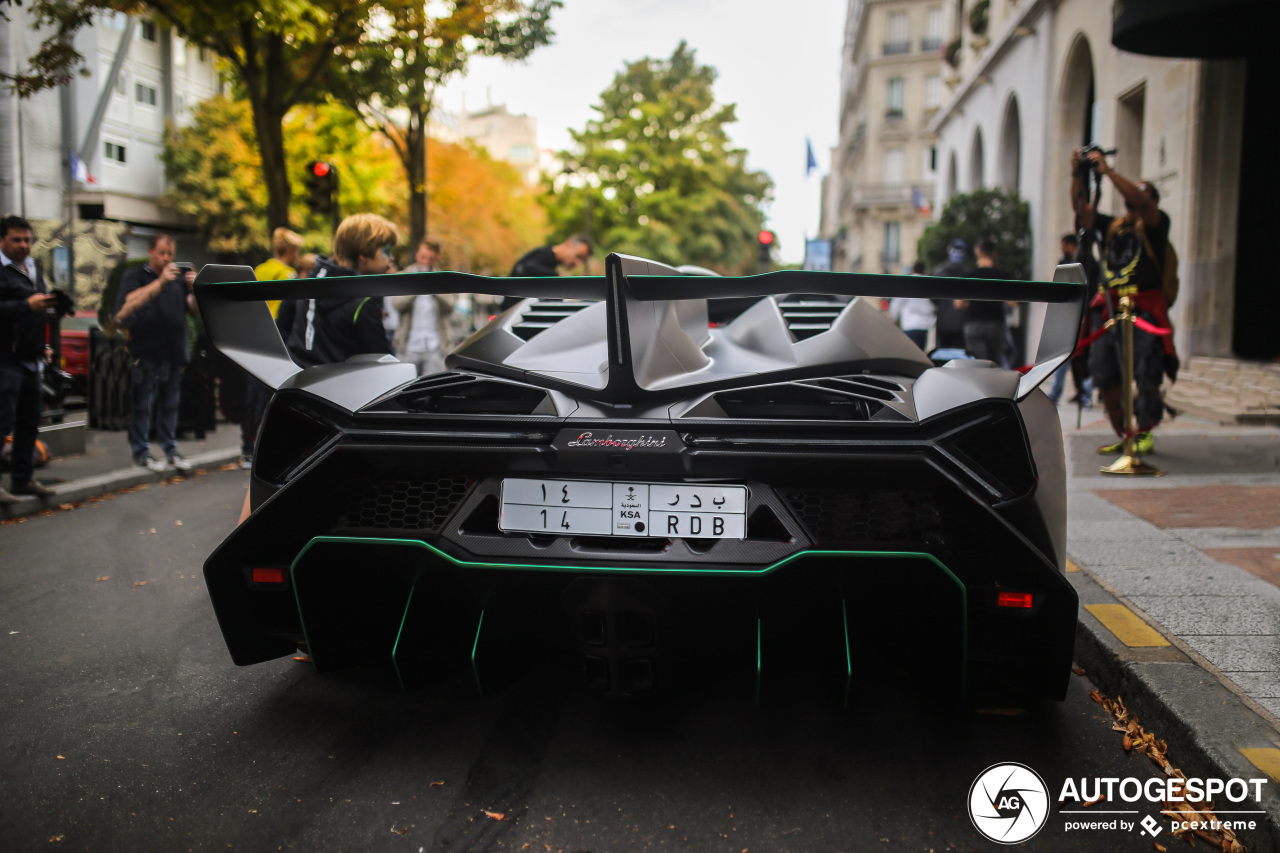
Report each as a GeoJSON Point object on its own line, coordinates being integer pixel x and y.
{"type": "Point", "coordinates": [613, 440]}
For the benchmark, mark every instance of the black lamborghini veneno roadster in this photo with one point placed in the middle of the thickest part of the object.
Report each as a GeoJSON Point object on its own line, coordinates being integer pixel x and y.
{"type": "Point", "coordinates": [604, 473]}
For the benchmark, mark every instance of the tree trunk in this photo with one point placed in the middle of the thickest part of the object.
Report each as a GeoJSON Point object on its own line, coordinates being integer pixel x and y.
{"type": "Point", "coordinates": [416, 168]}
{"type": "Point", "coordinates": [275, 170]}
{"type": "Point", "coordinates": [263, 88]}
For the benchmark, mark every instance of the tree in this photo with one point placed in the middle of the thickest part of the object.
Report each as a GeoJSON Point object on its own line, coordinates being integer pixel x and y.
{"type": "Point", "coordinates": [487, 214]}
{"type": "Point", "coordinates": [278, 52]}
{"type": "Point", "coordinates": [214, 171]}
{"type": "Point", "coordinates": [1003, 216]}
{"type": "Point", "coordinates": [656, 175]}
{"type": "Point", "coordinates": [392, 75]}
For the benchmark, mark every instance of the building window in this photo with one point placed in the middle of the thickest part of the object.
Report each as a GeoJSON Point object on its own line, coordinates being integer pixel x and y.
{"type": "Point", "coordinates": [896, 97]}
{"type": "Point", "coordinates": [201, 55]}
{"type": "Point", "coordinates": [933, 91]}
{"type": "Point", "coordinates": [893, 166]}
{"type": "Point", "coordinates": [892, 254]}
{"type": "Point", "coordinates": [113, 152]}
{"type": "Point", "coordinates": [147, 31]}
{"type": "Point", "coordinates": [931, 161]}
{"type": "Point", "coordinates": [899, 40]}
{"type": "Point", "coordinates": [932, 30]}
{"type": "Point", "coordinates": [521, 153]}
{"type": "Point", "coordinates": [145, 94]}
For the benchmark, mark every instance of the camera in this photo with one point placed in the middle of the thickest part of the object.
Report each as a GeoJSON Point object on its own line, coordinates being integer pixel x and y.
{"type": "Point", "coordinates": [1086, 164]}
{"type": "Point", "coordinates": [185, 266]}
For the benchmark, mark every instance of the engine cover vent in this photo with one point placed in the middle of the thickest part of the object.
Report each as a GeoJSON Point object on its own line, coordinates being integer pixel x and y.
{"type": "Point", "coordinates": [459, 394]}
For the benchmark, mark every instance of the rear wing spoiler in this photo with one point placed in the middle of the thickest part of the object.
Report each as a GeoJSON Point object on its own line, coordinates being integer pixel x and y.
{"type": "Point", "coordinates": [638, 294]}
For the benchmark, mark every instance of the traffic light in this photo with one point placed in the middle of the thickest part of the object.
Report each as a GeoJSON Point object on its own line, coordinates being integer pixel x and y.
{"type": "Point", "coordinates": [322, 186]}
{"type": "Point", "coordinates": [764, 242]}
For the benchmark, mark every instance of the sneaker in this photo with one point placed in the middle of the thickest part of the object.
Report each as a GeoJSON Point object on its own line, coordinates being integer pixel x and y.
{"type": "Point", "coordinates": [1144, 444]}
{"type": "Point", "coordinates": [149, 462]}
{"type": "Point", "coordinates": [179, 462]}
{"type": "Point", "coordinates": [1112, 449]}
{"type": "Point", "coordinates": [6, 498]}
{"type": "Point", "coordinates": [33, 487]}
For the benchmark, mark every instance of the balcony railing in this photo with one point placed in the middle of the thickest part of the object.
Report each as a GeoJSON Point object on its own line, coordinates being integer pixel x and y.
{"type": "Point", "coordinates": [929, 45]}
{"type": "Point", "coordinates": [895, 47]}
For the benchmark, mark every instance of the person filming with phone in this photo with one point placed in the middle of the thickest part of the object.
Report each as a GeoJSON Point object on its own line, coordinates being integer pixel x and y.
{"type": "Point", "coordinates": [1136, 261]}
{"type": "Point", "coordinates": [153, 303]}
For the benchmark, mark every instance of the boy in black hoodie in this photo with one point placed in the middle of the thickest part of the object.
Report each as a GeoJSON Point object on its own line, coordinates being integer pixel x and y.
{"type": "Point", "coordinates": [326, 331]}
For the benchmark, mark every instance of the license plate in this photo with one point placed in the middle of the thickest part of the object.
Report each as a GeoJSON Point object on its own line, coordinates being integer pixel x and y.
{"type": "Point", "coordinates": [579, 508]}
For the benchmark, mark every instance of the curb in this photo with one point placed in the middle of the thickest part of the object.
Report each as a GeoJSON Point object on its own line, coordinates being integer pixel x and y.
{"type": "Point", "coordinates": [1183, 703]}
{"type": "Point", "coordinates": [76, 491]}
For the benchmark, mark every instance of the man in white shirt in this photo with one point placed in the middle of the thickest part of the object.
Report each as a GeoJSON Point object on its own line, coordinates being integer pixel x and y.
{"type": "Point", "coordinates": [422, 336]}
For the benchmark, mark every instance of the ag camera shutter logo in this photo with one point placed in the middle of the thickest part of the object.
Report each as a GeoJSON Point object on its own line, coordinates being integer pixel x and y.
{"type": "Point", "coordinates": [1008, 803]}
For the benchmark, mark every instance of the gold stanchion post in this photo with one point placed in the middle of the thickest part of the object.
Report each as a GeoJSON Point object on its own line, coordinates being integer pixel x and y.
{"type": "Point", "coordinates": [1130, 463]}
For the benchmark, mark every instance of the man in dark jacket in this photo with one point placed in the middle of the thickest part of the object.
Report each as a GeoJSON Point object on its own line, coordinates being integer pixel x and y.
{"type": "Point", "coordinates": [326, 331]}
{"type": "Point", "coordinates": [24, 301]}
{"type": "Point", "coordinates": [545, 261]}
{"type": "Point", "coordinates": [153, 303]}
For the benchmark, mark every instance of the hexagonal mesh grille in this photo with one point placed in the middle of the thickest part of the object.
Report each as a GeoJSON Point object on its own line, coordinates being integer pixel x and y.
{"type": "Point", "coordinates": [423, 505]}
{"type": "Point", "coordinates": [842, 516]}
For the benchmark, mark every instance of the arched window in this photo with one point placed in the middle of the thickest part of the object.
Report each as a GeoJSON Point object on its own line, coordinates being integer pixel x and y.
{"type": "Point", "coordinates": [1011, 147]}
{"type": "Point", "coordinates": [977, 177]}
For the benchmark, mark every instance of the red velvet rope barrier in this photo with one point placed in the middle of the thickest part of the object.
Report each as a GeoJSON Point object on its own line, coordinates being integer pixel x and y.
{"type": "Point", "coordinates": [1150, 329]}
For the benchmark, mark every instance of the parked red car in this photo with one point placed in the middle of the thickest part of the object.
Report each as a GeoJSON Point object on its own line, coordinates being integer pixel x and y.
{"type": "Point", "coordinates": [75, 349]}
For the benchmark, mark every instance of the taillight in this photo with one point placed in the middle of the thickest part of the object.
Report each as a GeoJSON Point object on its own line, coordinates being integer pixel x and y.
{"type": "Point", "coordinates": [275, 576]}
{"type": "Point", "coordinates": [1017, 600]}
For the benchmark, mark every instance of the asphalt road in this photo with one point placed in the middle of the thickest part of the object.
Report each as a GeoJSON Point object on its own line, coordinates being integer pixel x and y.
{"type": "Point", "coordinates": [125, 726]}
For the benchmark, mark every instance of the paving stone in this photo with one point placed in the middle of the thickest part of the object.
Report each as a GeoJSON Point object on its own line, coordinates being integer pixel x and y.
{"type": "Point", "coordinates": [1254, 507]}
{"type": "Point", "coordinates": [1237, 654]}
{"type": "Point", "coordinates": [1258, 685]}
{"type": "Point", "coordinates": [1207, 615]}
{"type": "Point", "coordinates": [1178, 583]}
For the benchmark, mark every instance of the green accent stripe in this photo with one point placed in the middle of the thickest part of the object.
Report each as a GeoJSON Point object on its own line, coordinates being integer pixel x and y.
{"type": "Point", "coordinates": [404, 619]}
{"type": "Point", "coordinates": [759, 657]}
{"type": "Point", "coordinates": [475, 670]}
{"type": "Point", "coordinates": [470, 564]}
{"type": "Point", "coordinates": [356, 316]}
{"type": "Point", "coordinates": [848, 652]}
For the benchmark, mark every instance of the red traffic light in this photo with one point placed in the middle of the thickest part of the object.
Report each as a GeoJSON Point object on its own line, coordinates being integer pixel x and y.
{"type": "Point", "coordinates": [765, 238]}
{"type": "Point", "coordinates": [319, 168]}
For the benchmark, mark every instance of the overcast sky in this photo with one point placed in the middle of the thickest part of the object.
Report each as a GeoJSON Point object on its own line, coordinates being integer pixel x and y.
{"type": "Point", "coordinates": [779, 62]}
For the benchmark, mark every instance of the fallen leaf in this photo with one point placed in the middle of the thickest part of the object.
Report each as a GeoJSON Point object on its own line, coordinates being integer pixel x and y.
{"type": "Point", "coordinates": [1128, 743]}
{"type": "Point", "coordinates": [1098, 799]}
{"type": "Point", "coordinates": [179, 523]}
{"type": "Point", "coordinates": [62, 758]}
{"type": "Point", "coordinates": [436, 784]}
{"type": "Point", "coordinates": [54, 838]}
{"type": "Point", "coordinates": [306, 659]}
{"type": "Point", "coordinates": [153, 530]}
{"type": "Point", "coordinates": [1078, 670]}
{"type": "Point", "coordinates": [141, 583]}
{"type": "Point", "coordinates": [1160, 847]}
{"type": "Point", "coordinates": [103, 578]}
{"type": "Point", "coordinates": [495, 815]}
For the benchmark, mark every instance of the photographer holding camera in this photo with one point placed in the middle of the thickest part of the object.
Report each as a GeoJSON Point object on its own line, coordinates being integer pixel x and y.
{"type": "Point", "coordinates": [1134, 249]}
{"type": "Point", "coordinates": [153, 303]}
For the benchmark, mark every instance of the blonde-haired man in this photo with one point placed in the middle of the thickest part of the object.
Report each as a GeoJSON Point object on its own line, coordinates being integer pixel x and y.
{"type": "Point", "coordinates": [325, 331]}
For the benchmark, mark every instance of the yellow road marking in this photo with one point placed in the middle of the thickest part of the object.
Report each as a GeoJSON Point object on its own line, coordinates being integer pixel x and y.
{"type": "Point", "coordinates": [1072, 567]}
{"type": "Point", "coordinates": [1126, 625]}
{"type": "Point", "coordinates": [1266, 759]}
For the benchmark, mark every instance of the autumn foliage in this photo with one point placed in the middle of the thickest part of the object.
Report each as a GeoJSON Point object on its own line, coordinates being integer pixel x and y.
{"type": "Point", "coordinates": [480, 211]}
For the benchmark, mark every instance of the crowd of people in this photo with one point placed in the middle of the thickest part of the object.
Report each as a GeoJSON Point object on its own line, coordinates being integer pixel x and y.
{"type": "Point", "coordinates": [1134, 259]}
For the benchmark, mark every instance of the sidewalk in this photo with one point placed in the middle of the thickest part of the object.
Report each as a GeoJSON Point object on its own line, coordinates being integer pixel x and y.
{"type": "Point", "coordinates": [107, 466]}
{"type": "Point", "coordinates": [1179, 583]}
